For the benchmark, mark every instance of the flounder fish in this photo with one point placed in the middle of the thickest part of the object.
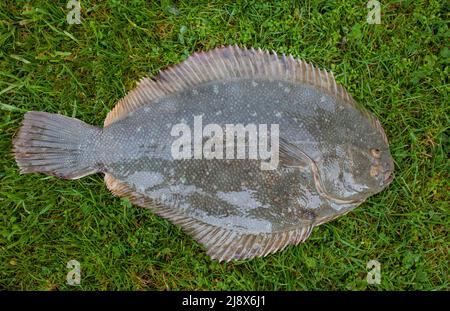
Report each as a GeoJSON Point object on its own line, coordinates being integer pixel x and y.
{"type": "Point", "coordinates": [246, 150]}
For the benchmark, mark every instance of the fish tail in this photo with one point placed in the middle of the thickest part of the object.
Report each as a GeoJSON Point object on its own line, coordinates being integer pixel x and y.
{"type": "Point", "coordinates": [56, 145]}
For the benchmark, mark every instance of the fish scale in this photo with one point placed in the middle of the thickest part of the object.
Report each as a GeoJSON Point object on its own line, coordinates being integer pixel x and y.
{"type": "Point", "coordinates": [231, 175]}
{"type": "Point", "coordinates": [333, 153]}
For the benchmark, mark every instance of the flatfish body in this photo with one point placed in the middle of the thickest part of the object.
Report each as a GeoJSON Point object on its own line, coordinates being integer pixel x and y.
{"type": "Point", "coordinates": [245, 150]}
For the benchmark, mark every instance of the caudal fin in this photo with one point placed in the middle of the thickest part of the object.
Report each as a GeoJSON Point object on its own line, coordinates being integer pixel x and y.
{"type": "Point", "coordinates": [55, 145]}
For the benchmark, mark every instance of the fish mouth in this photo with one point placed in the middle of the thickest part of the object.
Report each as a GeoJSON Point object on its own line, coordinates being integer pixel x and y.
{"type": "Point", "coordinates": [388, 178]}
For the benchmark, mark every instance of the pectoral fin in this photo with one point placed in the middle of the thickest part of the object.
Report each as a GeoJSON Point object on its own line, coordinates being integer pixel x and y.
{"type": "Point", "coordinates": [292, 156]}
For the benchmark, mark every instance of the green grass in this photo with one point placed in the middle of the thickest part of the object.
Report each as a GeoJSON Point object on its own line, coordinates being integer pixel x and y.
{"type": "Point", "coordinates": [398, 69]}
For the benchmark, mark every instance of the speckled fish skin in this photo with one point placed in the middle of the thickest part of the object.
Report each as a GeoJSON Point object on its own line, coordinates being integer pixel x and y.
{"type": "Point", "coordinates": [333, 156]}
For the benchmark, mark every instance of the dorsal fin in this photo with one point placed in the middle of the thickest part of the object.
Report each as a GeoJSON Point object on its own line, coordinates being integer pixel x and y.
{"type": "Point", "coordinates": [221, 244]}
{"type": "Point", "coordinates": [224, 63]}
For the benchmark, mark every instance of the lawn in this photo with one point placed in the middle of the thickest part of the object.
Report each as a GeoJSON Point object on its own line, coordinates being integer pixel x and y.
{"type": "Point", "coordinates": [397, 69]}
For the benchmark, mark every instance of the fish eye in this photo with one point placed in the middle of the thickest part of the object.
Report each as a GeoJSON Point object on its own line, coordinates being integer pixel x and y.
{"type": "Point", "coordinates": [376, 153]}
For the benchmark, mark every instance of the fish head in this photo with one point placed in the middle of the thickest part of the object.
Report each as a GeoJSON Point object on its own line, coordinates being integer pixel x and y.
{"type": "Point", "coordinates": [372, 167]}
{"type": "Point", "coordinates": [353, 173]}
{"type": "Point", "coordinates": [368, 170]}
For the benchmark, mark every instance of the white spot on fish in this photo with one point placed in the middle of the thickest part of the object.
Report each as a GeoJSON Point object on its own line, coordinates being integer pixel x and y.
{"type": "Point", "coordinates": [254, 114]}
{"type": "Point", "coordinates": [326, 104]}
{"type": "Point", "coordinates": [278, 114]}
{"type": "Point", "coordinates": [144, 180]}
{"type": "Point", "coordinates": [219, 112]}
{"type": "Point", "coordinates": [242, 199]}
{"type": "Point", "coordinates": [216, 89]}
{"type": "Point", "coordinates": [254, 84]}
{"type": "Point", "coordinates": [195, 92]}
{"type": "Point", "coordinates": [138, 129]}
{"type": "Point", "coordinates": [146, 109]}
{"type": "Point", "coordinates": [287, 90]}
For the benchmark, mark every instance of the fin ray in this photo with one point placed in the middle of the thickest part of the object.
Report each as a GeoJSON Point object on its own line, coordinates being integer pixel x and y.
{"type": "Point", "coordinates": [224, 63]}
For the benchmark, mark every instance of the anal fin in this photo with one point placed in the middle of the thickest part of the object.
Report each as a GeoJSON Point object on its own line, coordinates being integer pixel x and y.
{"type": "Point", "coordinates": [221, 244]}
